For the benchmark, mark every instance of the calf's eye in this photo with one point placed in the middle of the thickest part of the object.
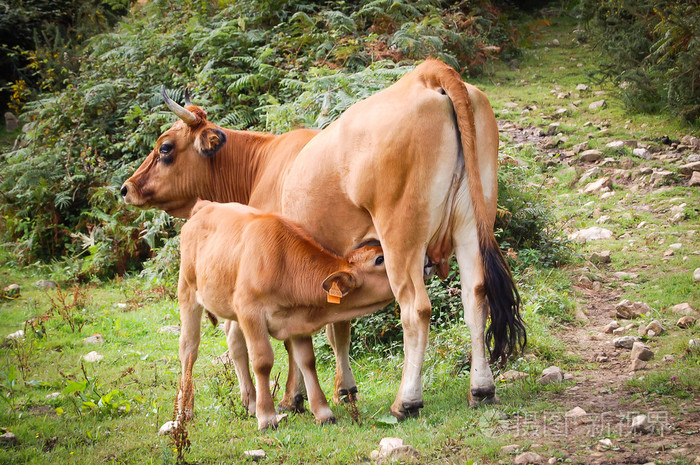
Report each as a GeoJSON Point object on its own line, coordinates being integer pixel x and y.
{"type": "Point", "coordinates": [379, 260]}
{"type": "Point", "coordinates": [165, 148]}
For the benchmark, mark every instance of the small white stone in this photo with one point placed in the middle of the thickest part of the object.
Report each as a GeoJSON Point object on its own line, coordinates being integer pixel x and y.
{"type": "Point", "coordinates": [575, 412]}
{"type": "Point", "coordinates": [640, 424]}
{"type": "Point", "coordinates": [255, 454]}
{"type": "Point", "coordinates": [52, 396]}
{"type": "Point", "coordinates": [93, 357]}
{"type": "Point", "coordinates": [167, 428]}
{"type": "Point", "coordinates": [16, 335]}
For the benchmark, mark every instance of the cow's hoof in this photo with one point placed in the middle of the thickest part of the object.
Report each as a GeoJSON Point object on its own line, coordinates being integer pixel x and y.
{"type": "Point", "coordinates": [328, 421]}
{"type": "Point", "coordinates": [294, 406]}
{"type": "Point", "coordinates": [346, 396]}
{"type": "Point", "coordinates": [407, 410]}
{"type": "Point", "coordinates": [482, 397]}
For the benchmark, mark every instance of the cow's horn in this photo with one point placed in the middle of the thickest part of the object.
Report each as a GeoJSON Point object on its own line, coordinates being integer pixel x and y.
{"type": "Point", "coordinates": [187, 97]}
{"type": "Point", "coordinates": [185, 115]}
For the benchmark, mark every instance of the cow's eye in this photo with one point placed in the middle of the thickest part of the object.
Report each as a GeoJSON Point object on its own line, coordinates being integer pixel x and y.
{"type": "Point", "coordinates": [379, 260]}
{"type": "Point", "coordinates": [166, 148]}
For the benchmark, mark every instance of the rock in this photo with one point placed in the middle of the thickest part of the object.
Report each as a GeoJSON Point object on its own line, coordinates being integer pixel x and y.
{"type": "Point", "coordinates": [619, 331]}
{"type": "Point", "coordinates": [689, 168]}
{"type": "Point", "coordinates": [581, 87]}
{"type": "Point", "coordinates": [391, 449]}
{"type": "Point", "coordinates": [510, 449]}
{"type": "Point", "coordinates": [528, 458]}
{"type": "Point", "coordinates": [655, 326]}
{"type": "Point", "coordinates": [683, 309]}
{"type": "Point", "coordinates": [255, 454]}
{"type": "Point", "coordinates": [575, 412]}
{"type": "Point", "coordinates": [638, 364]}
{"type": "Point", "coordinates": [661, 177]}
{"type": "Point", "coordinates": [602, 358]}
{"type": "Point", "coordinates": [591, 155]}
{"type": "Point", "coordinates": [578, 148]}
{"type": "Point", "coordinates": [167, 428]}
{"type": "Point", "coordinates": [170, 329]}
{"type": "Point", "coordinates": [640, 424]}
{"type": "Point", "coordinates": [594, 233]}
{"type": "Point", "coordinates": [555, 42]}
{"type": "Point", "coordinates": [94, 339]}
{"type": "Point", "coordinates": [551, 375]}
{"type": "Point", "coordinates": [596, 105]}
{"type": "Point", "coordinates": [625, 275]}
{"type": "Point", "coordinates": [693, 344]}
{"type": "Point", "coordinates": [641, 351]}
{"type": "Point", "coordinates": [11, 122]}
{"type": "Point", "coordinates": [552, 460]}
{"type": "Point", "coordinates": [686, 322]}
{"type": "Point", "coordinates": [669, 358]}
{"type": "Point", "coordinates": [610, 327]}
{"type": "Point", "coordinates": [621, 143]}
{"type": "Point", "coordinates": [604, 444]}
{"type": "Point", "coordinates": [12, 291]}
{"type": "Point", "coordinates": [694, 179]}
{"type": "Point", "coordinates": [690, 140]}
{"type": "Point", "coordinates": [53, 395]}
{"type": "Point", "coordinates": [93, 357]}
{"type": "Point", "coordinates": [510, 105]}
{"type": "Point", "coordinates": [601, 257]}
{"type": "Point", "coordinates": [602, 184]}
{"type": "Point", "coordinates": [552, 129]}
{"type": "Point", "coordinates": [624, 342]}
{"type": "Point", "coordinates": [17, 335]}
{"type": "Point", "coordinates": [594, 171]}
{"type": "Point", "coordinates": [8, 439]}
{"type": "Point", "coordinates": [46, 284]}
{"type": "Point", "coordinates": [629, 310]}
{"type": "Point", "coordinates": [512, 375]}
{"type": "Point", "coordinates": [642, 153]}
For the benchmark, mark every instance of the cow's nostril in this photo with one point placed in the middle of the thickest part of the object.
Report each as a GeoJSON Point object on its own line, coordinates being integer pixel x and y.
{"type": "Point", "coordinates": [123, 191]}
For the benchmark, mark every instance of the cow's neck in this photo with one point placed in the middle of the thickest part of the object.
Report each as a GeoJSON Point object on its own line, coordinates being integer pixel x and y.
{"type": "Point", "coordinates": [236, 168]}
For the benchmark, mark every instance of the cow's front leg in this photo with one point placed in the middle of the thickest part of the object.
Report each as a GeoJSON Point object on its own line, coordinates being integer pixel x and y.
{"type": "Point", "coordinates": [345, 386]}
{"type": "Point", "coordinates": [304, 356]}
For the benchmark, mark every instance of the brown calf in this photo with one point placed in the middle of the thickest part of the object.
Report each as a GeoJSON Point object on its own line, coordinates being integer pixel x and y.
{"type": "Point", "coordinates": [268, 276]}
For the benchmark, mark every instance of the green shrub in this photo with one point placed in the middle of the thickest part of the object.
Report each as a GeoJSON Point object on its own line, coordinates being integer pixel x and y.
{"type": "Point", "coordinates": [651, 52]}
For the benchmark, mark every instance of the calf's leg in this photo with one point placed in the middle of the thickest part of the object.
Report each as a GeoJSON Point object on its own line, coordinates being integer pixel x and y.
{"type": "Point", "coordinates": [239, 354]}
{"type": "Point", "coordinates": [262, 357]}
{"type": "Point", "coordinates": [304, 355]}
{"type": "Point", "coordinates": [190, 320]}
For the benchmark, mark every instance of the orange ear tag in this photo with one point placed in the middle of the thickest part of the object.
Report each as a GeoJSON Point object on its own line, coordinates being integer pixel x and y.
{"type": "Point", "coordinates": [334, 294]}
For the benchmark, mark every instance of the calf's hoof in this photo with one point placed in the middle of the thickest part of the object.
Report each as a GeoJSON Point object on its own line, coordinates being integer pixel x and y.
{"type": "Point", "coordinates": [328, 421]}
{"type": "Point", "coordinates": [482, 397]}
{"type": "Point", "coordinates": [346, 396]}
{"type": "Point", "coordinates": [296, 405]}
{"type": "Point", "coordinates": [406, 409]}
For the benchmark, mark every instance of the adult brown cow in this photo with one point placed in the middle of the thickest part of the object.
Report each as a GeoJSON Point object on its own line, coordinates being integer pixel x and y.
{"type": "Point", "coordinates": [413, 166]}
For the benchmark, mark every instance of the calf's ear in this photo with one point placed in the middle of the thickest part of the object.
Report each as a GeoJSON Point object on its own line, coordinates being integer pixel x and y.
{"type": "Point", "coordinates": [210, 141]}
{"type": "Point", "coordinates": [345, 281]}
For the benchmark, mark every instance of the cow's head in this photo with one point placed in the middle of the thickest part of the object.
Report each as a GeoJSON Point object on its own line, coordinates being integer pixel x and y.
{"type": "Point", "coordinates": [366, 271]}
{"type": "Point", "coordinates": [176, 172]}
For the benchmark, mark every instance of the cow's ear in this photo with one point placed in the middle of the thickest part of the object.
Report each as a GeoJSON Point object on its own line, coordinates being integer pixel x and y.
{"type": "Point", "coordinates": [345, 281]}
{"type": "Point", "coordinates": [210, 141]}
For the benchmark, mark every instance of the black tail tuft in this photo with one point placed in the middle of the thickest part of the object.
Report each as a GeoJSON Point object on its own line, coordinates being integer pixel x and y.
{"type": "Point", "coordinates": [506, 330]}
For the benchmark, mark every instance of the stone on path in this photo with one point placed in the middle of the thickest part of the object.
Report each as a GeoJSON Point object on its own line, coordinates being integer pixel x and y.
{"type": "Point", "coordinates": [596, 105]}
{"type": "Point", "coordinates": [510, 449]}
{"type": "Point", "coordinates": [656, 327]}
{"type": "Point", "coordinates": [640, 424]}
{"type": "Point", "coordinates": [600, 185]}
{"type": "Point", "coordinates": [683, 309]}
{"type": "Point", "coordinates": [641, 351]}
{"type": "Point", "coordinates": [582, 87]}
{"type": "Point", "coordinates": [551, 375]}
{"type": "Point", "coordinates": [621, 143]}
{"type": "Point", "coordinates": [610, 327]}
{"type": "Point", "coordinates": [694, 179]}
{"type": "Point", "coordinates": [594, 233]}
{"type": "Point", "coordinates": [391, 449]}
{"type": "Point", "coordinates": [642, 153]}
{"type": "Point", "coordinates": [601, 257]}
{"type": "Point", "coordinates": [625, 342]}
{"type": "Point", "coordinates": [690, 168]}
{"type": "Point", "coordinates": [575, 412]}
{"type": "Point", "coordinates": [528, 458]}
{"type": "Point", "coordinates": [629, 310]}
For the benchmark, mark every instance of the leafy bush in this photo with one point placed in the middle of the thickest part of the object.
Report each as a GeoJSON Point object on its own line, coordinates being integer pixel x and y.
{"type": "Point", "coordinates": [254, 64]}
{"type": "Point", "coordinates": [651, 52]}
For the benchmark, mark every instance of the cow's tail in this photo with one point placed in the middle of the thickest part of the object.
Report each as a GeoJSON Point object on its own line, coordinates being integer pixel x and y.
{"type": "Point", "coordinates": [506, 331]}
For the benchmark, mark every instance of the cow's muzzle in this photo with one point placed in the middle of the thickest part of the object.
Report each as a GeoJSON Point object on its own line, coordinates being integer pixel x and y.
{"type": "Point", "coordinates": [130, 195]}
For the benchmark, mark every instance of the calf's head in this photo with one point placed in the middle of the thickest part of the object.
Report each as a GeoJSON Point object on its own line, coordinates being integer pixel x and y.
{"type": "Point", "coordinates": [180, 166]}
{"type": "Point", "coordinates": [364, 278]}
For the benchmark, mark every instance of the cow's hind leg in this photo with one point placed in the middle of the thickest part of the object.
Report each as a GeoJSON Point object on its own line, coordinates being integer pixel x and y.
{"type": "Point", "coordinates": [294, 392]}
{"type": "Point", "coordinates": [345, 386]}
{"type": "Point", "coordinates": [476, 311]}
{"type": "Point", "coordinates": [304, 356]}
{"type": "Point", "coordinates": [238, 353]}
